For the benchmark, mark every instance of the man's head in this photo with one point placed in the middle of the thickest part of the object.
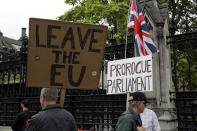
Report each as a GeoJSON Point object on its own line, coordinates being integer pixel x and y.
{"type": "Point", "coordinates": [137, 102]}
{"type": "Point", "coordinates": [48, 96]}
{"type": "Point", "coordinates": [25, 105]}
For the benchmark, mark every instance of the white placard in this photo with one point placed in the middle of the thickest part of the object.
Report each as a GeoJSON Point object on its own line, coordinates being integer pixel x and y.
{"type": "Point", "coordinates": [130, 75]}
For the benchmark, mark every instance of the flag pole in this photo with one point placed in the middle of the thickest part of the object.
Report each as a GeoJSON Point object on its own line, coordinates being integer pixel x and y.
{"type": "Point", "coordinates": [128, 94]}
{"type": "Point", "coordinates": [126, 42]}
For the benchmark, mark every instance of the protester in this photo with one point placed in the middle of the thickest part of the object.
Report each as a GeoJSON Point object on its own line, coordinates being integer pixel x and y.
{"type": "Point", "coordinates": [52, 117]}
{"type": "Point", "coordinates": [22, 118]}
{"type": "Point", "coordinates": [129, 120]}
{"type": "Point", "coordinates": [149, 120]}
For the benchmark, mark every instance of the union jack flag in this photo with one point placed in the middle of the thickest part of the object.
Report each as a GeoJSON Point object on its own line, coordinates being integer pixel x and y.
{"type": "Point", "coordinates": [143, 40]}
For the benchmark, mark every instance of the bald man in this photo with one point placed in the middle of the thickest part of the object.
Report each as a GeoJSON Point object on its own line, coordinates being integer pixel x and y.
{"type": "Point", "coordinates": [52, 117]}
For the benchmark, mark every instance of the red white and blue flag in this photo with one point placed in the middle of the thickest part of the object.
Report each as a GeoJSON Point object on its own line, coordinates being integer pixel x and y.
{"type": "Point", "coordinates": [143, 40]}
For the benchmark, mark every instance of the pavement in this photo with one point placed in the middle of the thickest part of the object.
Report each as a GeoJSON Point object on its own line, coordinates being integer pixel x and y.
{"type": "Point", "coordinates": [5, 128]}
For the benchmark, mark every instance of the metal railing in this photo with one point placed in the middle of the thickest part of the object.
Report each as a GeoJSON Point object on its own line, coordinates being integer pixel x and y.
{"type": "Point", "coordinates": [184, 51]}
{"type": "Point", "coordinates": [92, 109]}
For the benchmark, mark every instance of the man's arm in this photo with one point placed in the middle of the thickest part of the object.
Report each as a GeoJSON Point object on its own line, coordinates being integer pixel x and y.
{"type": "Point", "coordinates": [73, 125]}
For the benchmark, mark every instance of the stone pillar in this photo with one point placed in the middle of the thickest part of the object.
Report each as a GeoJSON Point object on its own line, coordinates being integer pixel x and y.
{"type": "Point", "coordinates": [156, 15]}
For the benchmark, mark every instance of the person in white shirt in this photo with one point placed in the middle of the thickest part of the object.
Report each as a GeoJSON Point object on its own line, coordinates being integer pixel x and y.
{"type": "Point", "coordinates": [149, 120]}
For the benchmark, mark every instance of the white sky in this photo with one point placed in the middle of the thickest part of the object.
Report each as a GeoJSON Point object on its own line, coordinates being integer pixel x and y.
{"type": "Point", "coordinates": [15, 14]}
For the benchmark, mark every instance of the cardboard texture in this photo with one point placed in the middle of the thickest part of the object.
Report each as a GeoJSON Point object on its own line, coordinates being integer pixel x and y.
{"type": "Point", "coordinates": [65, 54]}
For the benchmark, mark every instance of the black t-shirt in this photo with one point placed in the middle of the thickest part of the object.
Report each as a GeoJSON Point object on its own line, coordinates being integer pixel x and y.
{"type": "Point", "coordinates": [20, 121]}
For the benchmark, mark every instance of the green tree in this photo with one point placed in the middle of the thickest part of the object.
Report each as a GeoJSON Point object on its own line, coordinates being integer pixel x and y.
{"type": "Point", "coordinates": [185, 55]}
{"type": "Point", "coordinates": [183, 19]}
{"type": "Point", "coordinates": [183, 15]}
{"type": "Point", "coordinates": [112, 13]}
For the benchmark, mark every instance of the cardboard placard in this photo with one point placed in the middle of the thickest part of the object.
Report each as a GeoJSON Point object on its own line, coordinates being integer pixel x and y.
{"type": "Point", "coordinates": [64, 54]}
{"type": "Point", "coordinates": [130, 75]}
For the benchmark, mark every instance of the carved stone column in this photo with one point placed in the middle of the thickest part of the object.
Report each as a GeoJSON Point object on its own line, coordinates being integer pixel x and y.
{"type": "Point", "coordinates": [156, 16]}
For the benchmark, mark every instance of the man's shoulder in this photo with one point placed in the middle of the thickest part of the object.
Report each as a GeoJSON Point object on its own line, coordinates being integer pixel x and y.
{"type": "Point", "coordinates": [58, 110]}
{"type": "Point", "coordinates": [128, 115]}
{"type": "Point", "coordinates": [66, 112]}
{"type": "Point", "coordinates": [67, 115]}
{"type": "Point", "coordinates": [21, 114]}
{"type": "Point", "coordinates": [149, 110]}
{"type": "Point", "coordinates": [37, 115]}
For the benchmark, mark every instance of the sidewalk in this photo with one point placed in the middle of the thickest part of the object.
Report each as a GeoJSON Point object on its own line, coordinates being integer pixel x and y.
{"type": "Point", "coordinates": [5, 128]}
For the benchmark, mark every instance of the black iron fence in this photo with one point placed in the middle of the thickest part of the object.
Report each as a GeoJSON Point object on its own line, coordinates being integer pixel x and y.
{"type": "Point", "coordinates": [92, 109]}
{"type": "Point", "coordinates": [184, 70]}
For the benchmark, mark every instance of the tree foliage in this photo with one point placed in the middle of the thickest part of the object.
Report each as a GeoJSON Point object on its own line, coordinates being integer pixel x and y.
{"type": "Point", "coordinates": [112, 13]}
{"type": "Point", "coordinates": [183, 18]}
{"type": "Point", "coordinates": [184, 57]}
{"type": "Point", "coordinates": [183, 15]}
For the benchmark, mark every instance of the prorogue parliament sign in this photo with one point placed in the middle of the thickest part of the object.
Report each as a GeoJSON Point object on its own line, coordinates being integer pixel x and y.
{"type": "Point", "coordinates": [65, 54]}
{"type": "Point", "coordinates": [130, 75]}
